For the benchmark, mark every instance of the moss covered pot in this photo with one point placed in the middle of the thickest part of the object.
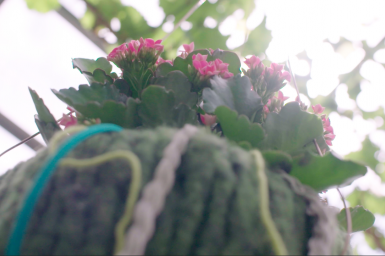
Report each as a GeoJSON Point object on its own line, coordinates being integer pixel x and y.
{"type": "Point", "coordinates": [214, 206]}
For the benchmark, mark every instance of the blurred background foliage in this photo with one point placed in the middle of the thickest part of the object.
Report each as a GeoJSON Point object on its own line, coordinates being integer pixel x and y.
{"type": "Point", "coordinates": [203, 28]}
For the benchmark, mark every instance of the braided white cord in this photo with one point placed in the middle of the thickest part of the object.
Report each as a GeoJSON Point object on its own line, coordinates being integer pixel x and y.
{"type": "Point", "coordinates": [155, 193]}
{"type": "Point", "coordinates": [324, 231]}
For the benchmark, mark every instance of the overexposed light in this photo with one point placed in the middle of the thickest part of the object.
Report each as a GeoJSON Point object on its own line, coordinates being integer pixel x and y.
{"type": "Point", "coordinates": [379, 121]}
{"type": "Point", "coordinates": [103, 32]}
{"type": "Point", "coordinates": [321, 86]}
{"type": "Point", "coordinates": [300, 67]}
{"type": "Point", "coordinates": [373, 71]}
{"type": "Point", "coordinates": [75, 7]}
{"type": "Point", "coordinates": [154, 15]}
{"type": "Point", "coordinates": [110, 38]}
{"type": "Point", "coordinates": [228, 26]}
{"type": "Point", "coordinates": [168, 26]}
{"type": "Point", "coordinates": [170, 18]}
{"type": "Point", "coordinates": [346, 140]}
{"type": "Point", "coordinates": [115, 24]}
{"type": "Point", "coordinates": [363, 127]}
{"type": "Point", "coordinates": [378, 138]}
{"type": "Point", "coordinates": [210, 22]}
{"type": "Point", "coordinates": [380, 156]}
{"type": "Point", "coordinates": [379, 56]}
{"type": "Point", "coordinates": [236, 39]}
{"type": "Point", "coordinates": [255, 18]}
{"type": "Point", "coordinates": [185, 26]}
{"type": "Point", "coordinates": [238, 14]}
{"type": "Point", "coordinates": [213, 1]}
{"type": "Point", "coordinates": [371, 96]}
{"type": "Point", "coordinates": [343, 100]}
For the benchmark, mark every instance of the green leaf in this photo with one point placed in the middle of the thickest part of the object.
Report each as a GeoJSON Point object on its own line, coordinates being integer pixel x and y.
{"type": "Point", "coordinates": [362, 219]}
{"type": "Point", "coordinates": [88, 65]}
{"type": "Point", "coordinates": [97, 93]}
{"type": "Point", "coordinates": [291, 129]}
{"type": "Point", "coordinates": [239, 128]}
{"type": "Point", "coordinates": [376, 204]}
{"type": "Point", "coordinates": [177, 82]}
{"type": "Point", "coordinates": [325, 172]}
{"type": "Point", "coordinates": [365, 155]}
{"type": "Point", "coordinates": [277, 160]}
{"type": "Point", "coordinates": [98, 71]}
{"type": "Point", "coordinates": [47, 130]}
{"type": "Point", "coordinates": [45, 121]}
{"type": "Point", "coordinates": [230, 58]}
{"type": "Point", "coordinates": [158, 108]}
{"type": "Point", "coordinates": [43, 5]}
{"type": "Point", "coordinates": [234, 93]}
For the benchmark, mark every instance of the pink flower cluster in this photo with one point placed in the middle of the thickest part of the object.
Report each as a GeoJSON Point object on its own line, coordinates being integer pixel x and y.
{"type": "Point", "coordinates": [207, 69]}
{"type": "Point", "coordinates": [129, 51]}
{"type": "Point", "coordinates": [68, 120]}
{"type": "Point", "coordinates": [188, 48]}
{"type": "Point", "coordinates": [275, 70]}
{"type": "Point", "coordinates": [161, 60]}
{"type": "Point", "coordinates": [274, 104]}
{"type": "Point", "coordinates": [328, 129]}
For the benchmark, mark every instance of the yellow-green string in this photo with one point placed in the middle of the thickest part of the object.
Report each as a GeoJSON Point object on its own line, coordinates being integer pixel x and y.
{"type": "Point", "coordinates": [59, 136]}
{"type": "Point", "coordinates": [272, 231]}
{"type": "Point", "coordinates": [133, 193]}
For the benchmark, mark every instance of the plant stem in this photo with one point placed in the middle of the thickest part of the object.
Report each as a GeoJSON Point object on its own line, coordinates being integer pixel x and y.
{"type": "Point", "coordinates": [349, 224]}
{"type": "Point", "coordinates": [27, 139]}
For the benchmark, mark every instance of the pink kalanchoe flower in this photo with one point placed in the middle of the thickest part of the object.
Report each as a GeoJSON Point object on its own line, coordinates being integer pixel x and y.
{"type": "Point", "coordinates": [281, 97]}
{"type": "Point", "coordinates": [318, 109]}
{"type": "Point", "coordinates": [161, 60]}
{"type": "Point", "coordinates": [188, 48]}
{"type": "Point", "coordinates": [199, 61]}
{"type": "Point", "coordinates": [276, 67]}
{"type": "Point", "coordinates": [252, 62]}
{"type": "Point", "coordinates": [328, 138]}
{"type": "Point", "coordinates": [227, 74]}
{"type": "Point", "coordinates": [68, 120]}
{"type": "Point", "coordinates": [286, 75]}
{"type": "Point", "coordinates": [150, 43]}
{"type": "Point", "coordinates": [208, 119]}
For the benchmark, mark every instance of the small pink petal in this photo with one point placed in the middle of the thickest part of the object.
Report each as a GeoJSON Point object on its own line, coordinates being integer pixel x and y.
{"type": "Point", "coordinates": [189, 47]}
{"type": "Point", "coordinates": [252, 62]}
{"type": "Point", "coordinates": [276, 67]}
{"type": "Point", "coordinates": [286, 75]}
{"type": "Point", "coordinates": [318, 109]}
{"type": "Point", "coordinates": [208, 119]}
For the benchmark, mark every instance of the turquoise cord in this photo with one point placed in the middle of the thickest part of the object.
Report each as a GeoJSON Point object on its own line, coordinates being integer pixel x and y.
{"type": "Point", "coordinates": [16, 238]}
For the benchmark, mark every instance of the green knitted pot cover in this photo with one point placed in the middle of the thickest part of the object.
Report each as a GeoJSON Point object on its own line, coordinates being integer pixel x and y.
{"type": "Point", "coordinates": [213, 207]}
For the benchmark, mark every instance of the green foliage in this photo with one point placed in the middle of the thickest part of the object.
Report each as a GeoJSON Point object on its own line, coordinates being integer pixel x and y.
{"type": "Point", "coordinates": [376, 204]}
{"type": "Point", "coordinates": [362, 219]}
{"type": "Point", "coordinates": [234, 93]}
{"type": "Point", "coordinates": [278, 160]}
{"type": "Point", "coordinates": [325, 172]}
{"type": "Point", "coordinates": [291, 129]}
{"type": "Point", "coordinates": [43, 5]}
{"type": "Point", "coordinates": [177, 82]}
{"type": "Point", "coordinates": [239, 128]}
{"type": "Point", "coordinates": [158, 107]}
{"type": "Point", "coordinates": [44, 120]}
{"type": "Point", "coordinates": [95, 71]}
{"type": "Point", "coordinates": [366, 155]}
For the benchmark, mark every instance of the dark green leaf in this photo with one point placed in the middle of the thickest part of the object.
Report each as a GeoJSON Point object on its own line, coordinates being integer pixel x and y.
{"type": "Point", "coordinates": [291, 129]}
{"type": "Point", "coordinates": [325, 172]}
{"type": "Point", "coordinates": [362, 219]}
{"type": "Point", "coordinates": [234, 93]}
{"type": "Point", "coordinates": [95, 93]}
{"type": "Point", "coordinates": [177, 82]}
{"type": "Point", "coordinates": [47, 130]}
{"type": "Point", "coordinates": [88, 65]}
{"type": "Point", "coordinates": [257, 41]}
{"type": "Point", "coordinates": [95, 71]}
{"type": "Point", "coordinates": [239, 128]}
{"type": "Point", "coordinates": [45, 121]}
{"type": "Point", "coordinates": [277, 160]}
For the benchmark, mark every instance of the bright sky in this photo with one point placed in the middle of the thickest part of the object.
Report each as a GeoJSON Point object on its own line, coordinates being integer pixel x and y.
{"type": "Point", "coordinates": [36, 51]}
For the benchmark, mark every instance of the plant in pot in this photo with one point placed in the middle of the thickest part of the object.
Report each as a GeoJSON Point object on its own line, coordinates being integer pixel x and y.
{"type": "Point", "coordinates": [191, 156]}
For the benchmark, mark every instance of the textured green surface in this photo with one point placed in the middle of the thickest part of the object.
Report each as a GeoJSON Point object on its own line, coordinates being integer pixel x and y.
{"type": "Point", "coordinates": [212, 208]}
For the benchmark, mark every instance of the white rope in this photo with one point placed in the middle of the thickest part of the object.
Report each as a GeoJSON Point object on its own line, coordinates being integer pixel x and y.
{"type": "Point", "coordinates": [324, 230]}
{"type": "Point", "coordinates": [155, 192]}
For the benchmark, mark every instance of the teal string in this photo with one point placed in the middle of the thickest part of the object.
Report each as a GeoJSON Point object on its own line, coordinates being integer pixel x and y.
{"type": "Point", "coordinates": [16, 238]}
